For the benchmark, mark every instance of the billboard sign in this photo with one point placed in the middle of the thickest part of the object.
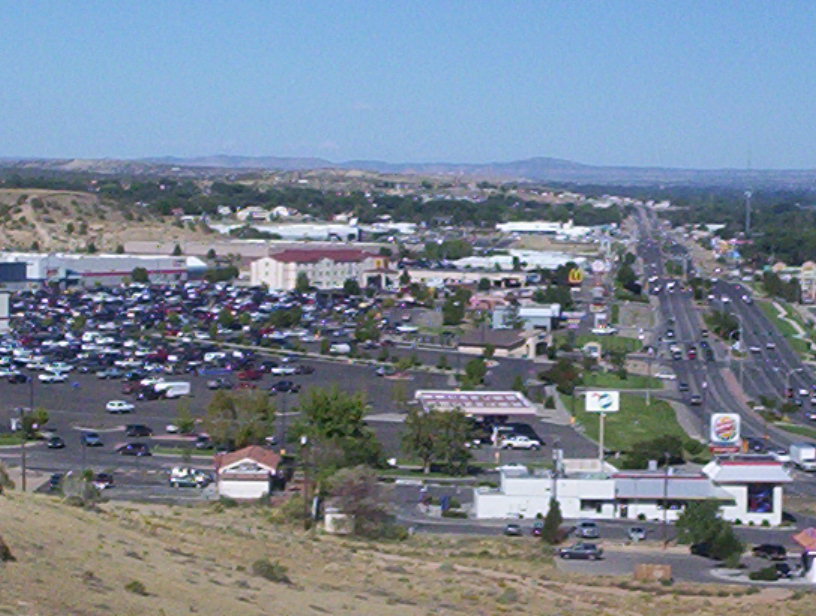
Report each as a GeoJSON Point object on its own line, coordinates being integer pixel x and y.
{"type": "Point", "coordinates": [602, 401]}
{"type": "Point", "coordinates": [725, 430]}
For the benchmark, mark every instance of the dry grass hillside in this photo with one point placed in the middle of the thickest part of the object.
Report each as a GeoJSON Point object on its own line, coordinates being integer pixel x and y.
{"type": "Point", "coordinates": [70, 220]}
{"type": "Point", "coordinates": [180, 560]}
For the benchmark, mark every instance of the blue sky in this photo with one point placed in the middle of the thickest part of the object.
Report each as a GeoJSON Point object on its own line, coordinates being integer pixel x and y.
{"type": "Point", "coordinates": [689, 84]}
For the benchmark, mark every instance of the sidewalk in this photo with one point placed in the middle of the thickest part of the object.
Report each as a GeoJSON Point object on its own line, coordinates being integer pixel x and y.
{"type": "Point", "coordinates": [559, 415]}
{"type": "Point", "coordinates": [687, 420]}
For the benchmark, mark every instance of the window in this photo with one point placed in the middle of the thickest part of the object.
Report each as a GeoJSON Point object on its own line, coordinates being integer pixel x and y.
{"type": "Point", "coordinates": [592, 505]}
{"type": "Point", "coordinates": [760, 498]}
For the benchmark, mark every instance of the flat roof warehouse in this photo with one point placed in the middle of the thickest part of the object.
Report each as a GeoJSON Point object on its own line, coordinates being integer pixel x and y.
{"type": "Point", "coordinates": [476, 402]}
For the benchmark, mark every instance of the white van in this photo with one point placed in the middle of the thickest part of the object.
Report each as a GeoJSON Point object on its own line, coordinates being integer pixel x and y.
{"type": "Point", "coordinates": [340, 349]}
{"type": "Point", "coordinates": [172, 389]}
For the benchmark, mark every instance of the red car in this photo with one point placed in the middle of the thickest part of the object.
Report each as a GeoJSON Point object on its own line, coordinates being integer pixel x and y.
{"type": "Point", "coordinates": [250, 374]}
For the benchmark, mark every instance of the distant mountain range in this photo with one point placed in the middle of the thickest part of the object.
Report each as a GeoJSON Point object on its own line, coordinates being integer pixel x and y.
{"type": "Point", "coordinates": [538, 169]}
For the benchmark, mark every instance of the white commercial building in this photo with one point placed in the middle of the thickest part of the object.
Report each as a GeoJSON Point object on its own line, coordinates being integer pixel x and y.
{"type": "Point", "coordinates": [748, 489]}
{"type": "Point", "coordinates": [325, 268]}
{"type": "Point", "coordinates": [524, 259]}
{"type": "Point", "coordinates": [299, 231]}
{"type": "Point", "coordinates": [565, 230]}
{"type": "Point", "coordinates": [90, 269]}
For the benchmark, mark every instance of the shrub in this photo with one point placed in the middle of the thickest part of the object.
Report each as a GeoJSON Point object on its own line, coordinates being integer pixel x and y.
{"type": "Point", "coordinates": [136, 587]}
{"type": "Point", "coordinates": [5, 552]}
{"type": "Point", "coordinates": [768, 574]}
{"type": "Point", "coordinates": [552, 524]}
{"type": "Point", "coordinates": [272, 571]}
{"type": "Point", "coordinates": [765, 523]}
{"type": "Point", "coordinates": [454, 513]}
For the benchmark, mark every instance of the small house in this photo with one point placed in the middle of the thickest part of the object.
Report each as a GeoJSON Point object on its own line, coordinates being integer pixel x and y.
{"type": "Point", "coordinates": [247, 474]}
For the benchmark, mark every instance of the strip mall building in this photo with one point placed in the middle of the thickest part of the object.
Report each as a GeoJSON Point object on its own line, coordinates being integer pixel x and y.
{"type": "Point", "coordinates": [748, 489]}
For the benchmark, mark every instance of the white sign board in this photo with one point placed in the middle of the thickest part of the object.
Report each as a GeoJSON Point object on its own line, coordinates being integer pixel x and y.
{"type": "Point", "coordinates": [725, 429]}
{"type": "Point", "coordinates": [602, 401]}
{"type": "Point", "coordinates": [4, 312]}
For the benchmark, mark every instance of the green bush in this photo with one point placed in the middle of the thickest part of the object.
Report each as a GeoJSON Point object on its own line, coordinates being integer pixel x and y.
{"type": "Point", "coordinates": [693, 447]}
{"type": "Point", "coordinates": [136, 587]}
{"type": "Point", "coordinates": [454, 513]}
{"type": "Point", "coordinates": [272, 571]}
{"type": "Point", "coordinates": [768, 574]}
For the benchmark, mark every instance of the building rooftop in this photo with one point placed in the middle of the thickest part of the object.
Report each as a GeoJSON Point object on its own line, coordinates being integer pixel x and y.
{"type": "Point", "coordinates": [476, 402]}
{"type": "Point", "coordinates": [307, 255]}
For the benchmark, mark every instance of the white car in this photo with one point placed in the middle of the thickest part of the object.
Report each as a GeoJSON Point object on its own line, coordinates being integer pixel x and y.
{"type": "Point", "coordinates": [781, 456]}
{"type": "Point", "coordinates": [52, 377]}
{"type": "Point", "coordinates": [119, 406]}
{"type": "Point", "coordinates": [754, 349]}
{"type": "Point", "coordinates": [283, 370]}
{"type": "Point", "coordinates": [604, 331]}
{"type": "Point", "coordinates": [803, 392]}
{"type": "Point", "coordinates": [59, 366]}
{"type": "Point", "coordinates": [519, 441]}
{"type": "Point", "coordinates": [770, 345]}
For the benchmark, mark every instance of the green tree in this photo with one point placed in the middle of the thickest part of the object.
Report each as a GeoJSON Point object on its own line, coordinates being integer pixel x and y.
{"type": "Point", "coordinates": [139, 274]}
{"type": "Point", "coordinates": [91, 248]}
{"type": "Point", "coordinates": [518, 384]}
{"type": "Point", "coordinates": [241, 418]}
{"type": "Point", "coordinates": [211, 254]}
{"type": "Point", "coordinates": [351, 287]}
{"type": "Point", "coordinates": [333, 421]}
{"type": "Point", "coordinates": [700, 523]}
{"type": "Point", "coordinates": [453, 431]}
{"type": "Point", "coordinates": [551, 533]}
{"type": "Point", "coordinates": [177, 251]}
{"type": "Point", "coordinates": [405, 278]}
{"type": "Point", "coordinates": [184, 417]}
{"type": "Point", "coordinates": [325, 346]}
{"type": "Point", "coordinates": [33, 421]}
{"type": "Point", "coordinates": [489, 351]}
{"type": "Point", "coordinates": [120, 250]}
{"type": "Point", "coordinates": [443, 364]}
{"type": "Point", "coordinates": [419, 436]}
{"type": "Point", "coordinates": [302, 283]}
{"type": "Point", "coordinates": [475, 372]}
{"type": "Point", "coordinates": [564, 374]}
{"type": "Point", "coordinates": [226, 318]}
{"type": "Point", "coordinates": [484, 284]}
{"type": "Point", "coordinates": [79, 322]}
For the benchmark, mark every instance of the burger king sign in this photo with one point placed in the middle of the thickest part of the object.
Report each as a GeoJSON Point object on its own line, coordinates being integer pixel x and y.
{"type": "Point", "coordinates": [725, 429]}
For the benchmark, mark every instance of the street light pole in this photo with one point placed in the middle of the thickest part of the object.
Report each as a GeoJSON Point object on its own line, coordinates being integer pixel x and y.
{"type": "Point", "coordinates": [665, 498]}
{"type": "Point", "coordinates": [304, 442]}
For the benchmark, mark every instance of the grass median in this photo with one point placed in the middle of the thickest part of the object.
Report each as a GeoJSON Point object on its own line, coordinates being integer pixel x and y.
{"type": "Point", "coordinates": [806, 431]}
{"type": "Point", "coordinates": [610, 380]}
{"type": "Point", "coordinates": [634, 423]}
{"type": "Point", "coordinates": [164, 450]}
{"type": "Point", "coordinates": [9, 439]}
{"type": "Point", "coordinates": [608, 343]}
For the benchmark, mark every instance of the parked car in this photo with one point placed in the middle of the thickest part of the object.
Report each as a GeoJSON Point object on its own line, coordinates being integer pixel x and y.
{"type": "Point", "coordinates": [587, 529]}
{"type": "Point", "coordinates": [103, 481]}
{"type": "Point", "coordinates": [183, 477]}
{"type": "Point", "coordinates": [52, 377]}
{"type": "Point", "coordinates": [586, 551]}
{"type": "Point", "coordinates": [512, 530]}
{"type": "Point", "coordinates": [770, 551]}
{"type": "Point", "coordinates": [56, 442]}
{"type": "Point", "coordinates": [220, 383]}
{"type": "Point", "coordinates": [285, 387]}
{"type": "Point", "coordinates": [695, 399]}
{"type": "Point", "coordinates": [91, 439]}
{"type": "Point", "coordinates": [17, 378]}
{"type": "Point", "coordinates": [636, 533]}
{"type": "Point", "coordinates": [138, 430]}
{"type": "Point", "coordinates": [119, 406]}
{"type": "Point", "coordinates": [134, 449]}
{"type": "Point", "coordinates": [520, 441]}
{"type": "Point", "coordinates": [55, 481]}
{"type": "Point", "coordinates": [250, 374]}
{"type": "Point", "coordinates": [203, 442]}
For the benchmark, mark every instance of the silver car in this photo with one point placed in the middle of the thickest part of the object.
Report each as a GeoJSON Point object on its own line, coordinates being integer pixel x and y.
{"type": "Point", "coordinates": [636, 533]}
{"type": "Point", "coordinates": [588, 530]}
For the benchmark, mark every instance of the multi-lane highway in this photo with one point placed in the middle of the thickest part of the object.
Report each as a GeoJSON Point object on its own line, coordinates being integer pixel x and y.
{"type": "Point", "coordinates": [771, 365]}
{"type": "Point", "coordinates": [679, 316]}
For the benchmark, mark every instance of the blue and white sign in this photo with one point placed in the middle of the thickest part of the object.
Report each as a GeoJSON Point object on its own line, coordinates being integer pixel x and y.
{"type": "Point", "coordinates": [602, 401]}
